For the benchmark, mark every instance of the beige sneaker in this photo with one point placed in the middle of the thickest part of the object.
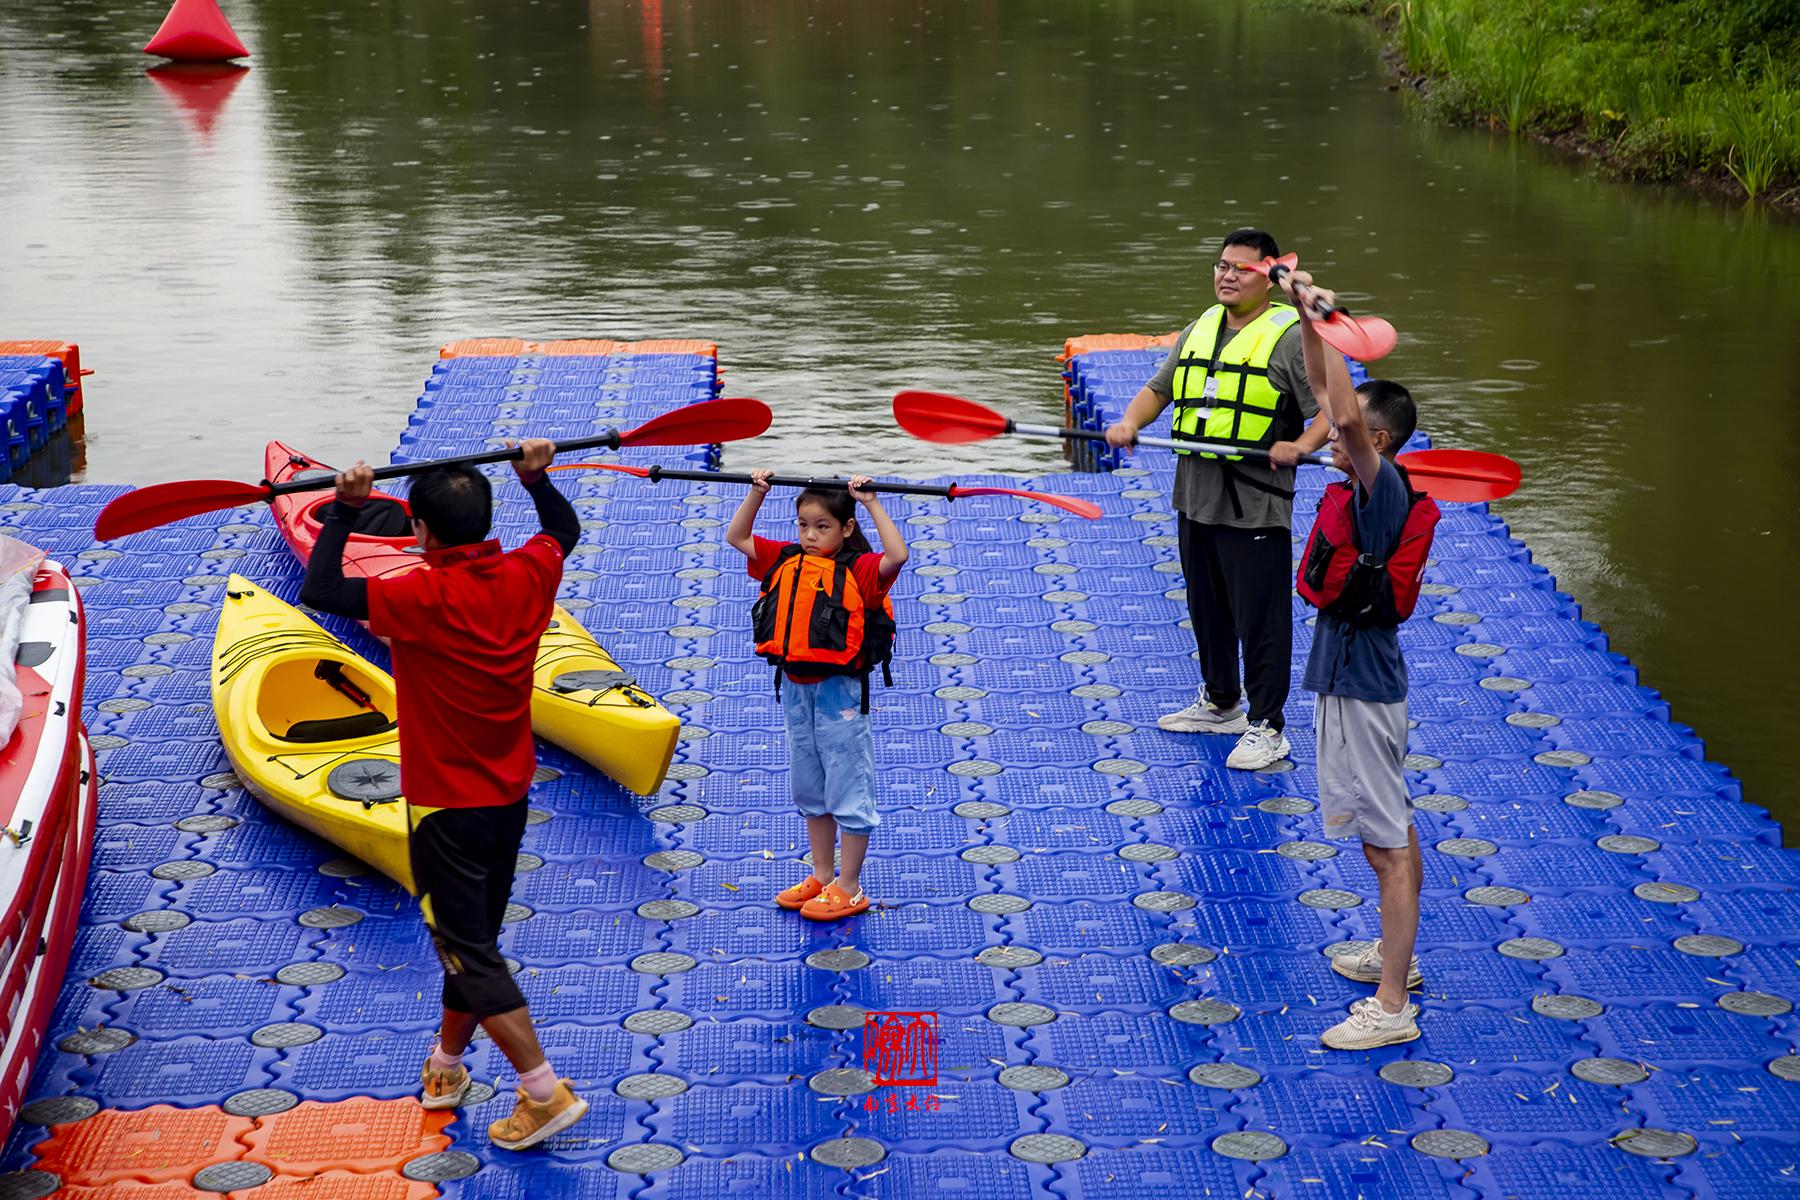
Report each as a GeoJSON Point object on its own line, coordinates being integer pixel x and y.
{"type": "Point", "coordinates": [1370, 1026]}
{"type": "Point", "coordinates": [1364, 966]}
{"type": "Point", "coordinates": [532, 1122]}
{"type": "Point", "coordinates": [443, 1089]}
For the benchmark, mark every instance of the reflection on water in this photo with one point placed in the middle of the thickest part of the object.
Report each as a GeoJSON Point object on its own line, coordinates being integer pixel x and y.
{"type": "Point", "coordinates": [852, 199]}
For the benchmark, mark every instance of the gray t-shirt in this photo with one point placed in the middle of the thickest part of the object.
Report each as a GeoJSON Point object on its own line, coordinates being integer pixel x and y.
{"type": "Point", "coordinates": [1200, 491]}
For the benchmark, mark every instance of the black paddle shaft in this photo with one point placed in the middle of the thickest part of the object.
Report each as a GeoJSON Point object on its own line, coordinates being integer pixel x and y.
{"type": "Point", "coordinates": [801, 481]}
{"type": "Point", "coordinates": [317, 483]}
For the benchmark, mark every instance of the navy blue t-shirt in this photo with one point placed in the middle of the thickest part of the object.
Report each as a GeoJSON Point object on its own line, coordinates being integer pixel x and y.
{"type": "Point", "coordinates": [1364, 664]}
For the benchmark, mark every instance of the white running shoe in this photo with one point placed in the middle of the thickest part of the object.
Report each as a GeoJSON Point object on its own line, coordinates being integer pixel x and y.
{"type": "Point", "coordinates": [1204, 717]}
{"type": "Point", "coordinates": [1261, 746]}
{"type": "Point", "coordinates": [1364, 966]}
{"type": "Point", "coordinates": [1370, 1026]}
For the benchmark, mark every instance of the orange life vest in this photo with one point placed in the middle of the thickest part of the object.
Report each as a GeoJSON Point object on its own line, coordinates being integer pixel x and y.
{"type": "Point", "coordinates": [813, 619]}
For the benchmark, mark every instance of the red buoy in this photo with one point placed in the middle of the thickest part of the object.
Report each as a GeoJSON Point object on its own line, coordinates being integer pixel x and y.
{"type": "Point", "coordinates": [196, 31]}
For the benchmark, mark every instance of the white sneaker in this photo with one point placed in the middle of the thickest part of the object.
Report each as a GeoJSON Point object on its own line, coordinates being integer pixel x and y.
{"type": "Point", "coordinates": [1261, 746]}
{"type": "Point", "coordinates": [1203, 717]}
{"type": "Point", "coordinates": [1364, 966]}
{"type": "Point", "coordinates": [1369, 1026]}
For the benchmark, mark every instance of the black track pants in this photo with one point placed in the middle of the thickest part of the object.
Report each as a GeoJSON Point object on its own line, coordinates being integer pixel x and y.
{"type": "Point", "coordinates": [1239, 591]}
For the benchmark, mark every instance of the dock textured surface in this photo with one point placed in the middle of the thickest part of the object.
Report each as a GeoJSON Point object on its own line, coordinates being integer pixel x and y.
{"type": "Point", "coordinates": [1125, 943]}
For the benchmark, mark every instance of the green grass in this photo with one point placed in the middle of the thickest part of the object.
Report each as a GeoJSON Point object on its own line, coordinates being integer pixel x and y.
{"type": "Point", "coordinates": [1669, 86]}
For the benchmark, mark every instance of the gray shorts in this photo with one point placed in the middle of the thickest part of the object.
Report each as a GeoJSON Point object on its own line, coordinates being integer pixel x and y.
{"type": "Point", "coordinates": [1362, 790]}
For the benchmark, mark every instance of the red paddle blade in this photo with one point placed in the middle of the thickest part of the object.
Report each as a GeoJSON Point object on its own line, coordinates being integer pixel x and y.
{"type": "Point", "coordinates": [160, 503]}
{"type": "Point", "coordinates": [1363, 338]}
{"type": "Point", "coordinates": [702, 424]}
{"type": "Point", "coordinates": [936, 417]}
{"type": "Point", "coordinates": [1290, 261]}
{"type": "Point", "coordinates": [1463, 476]}
{"type": "Point", "coordinates": [1081, 508]}
{"type": "Point", "coordinates": [640, 472]}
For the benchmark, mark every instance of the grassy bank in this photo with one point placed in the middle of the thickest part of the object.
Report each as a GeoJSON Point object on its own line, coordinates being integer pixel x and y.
{"type": "Point", "coordinates": [1705, 92]}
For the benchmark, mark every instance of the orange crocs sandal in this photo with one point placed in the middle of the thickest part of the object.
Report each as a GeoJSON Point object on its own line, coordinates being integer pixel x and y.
{"type": "Point", "coordinates": [834, 904]}
{"type": "Point", "coordinates": [797, 896]}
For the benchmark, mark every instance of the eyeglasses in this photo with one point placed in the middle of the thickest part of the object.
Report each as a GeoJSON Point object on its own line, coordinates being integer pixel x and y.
{"type": "Point", "coordinates": [1230, 268]}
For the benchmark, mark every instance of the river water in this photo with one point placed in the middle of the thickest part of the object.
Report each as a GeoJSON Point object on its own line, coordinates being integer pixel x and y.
{"type": "Point", "coordinates": [856, 198]}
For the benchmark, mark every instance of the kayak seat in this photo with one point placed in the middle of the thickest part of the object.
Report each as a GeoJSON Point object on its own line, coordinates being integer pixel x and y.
{"type": "Point", "coordinates": [331, 729]}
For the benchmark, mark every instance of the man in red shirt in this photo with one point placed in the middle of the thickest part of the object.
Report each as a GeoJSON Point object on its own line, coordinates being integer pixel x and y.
{"type": "Point", "coordinates": [464, 631]}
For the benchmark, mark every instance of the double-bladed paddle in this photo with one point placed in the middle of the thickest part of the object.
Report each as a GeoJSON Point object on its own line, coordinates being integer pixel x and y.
{"type": "Point", "coordinates": [1363, 338]}
{"type": "Point", "coordinates": [1081, 508]}
{"type": "Point", "coordinates": [702, 424]}
{"type": "Point", "coordinates": [1457, 475]}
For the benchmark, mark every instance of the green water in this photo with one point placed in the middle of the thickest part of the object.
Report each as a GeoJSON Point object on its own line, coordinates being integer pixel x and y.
{"type": "Point", "coordinates": [852, 199]}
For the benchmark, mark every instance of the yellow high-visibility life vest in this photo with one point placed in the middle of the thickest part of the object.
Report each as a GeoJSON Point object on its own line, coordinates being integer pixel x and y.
{"type": "Point", "coordinates": [1225, 395]}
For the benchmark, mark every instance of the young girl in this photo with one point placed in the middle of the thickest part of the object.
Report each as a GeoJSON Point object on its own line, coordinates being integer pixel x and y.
{"type": "Point", "coordinates": [814, 614]}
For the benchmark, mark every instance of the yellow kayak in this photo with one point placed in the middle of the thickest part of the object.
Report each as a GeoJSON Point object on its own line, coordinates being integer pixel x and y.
{"type": "Point", "coordinates": [309, 727]}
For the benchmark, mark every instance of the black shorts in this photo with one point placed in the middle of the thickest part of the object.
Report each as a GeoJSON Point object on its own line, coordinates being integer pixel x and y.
{"type": "Point", "coordinates": [463, 861]}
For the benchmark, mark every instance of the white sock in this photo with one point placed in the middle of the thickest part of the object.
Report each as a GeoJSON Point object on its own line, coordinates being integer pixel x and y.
{"type": "Point", "coordinates": [539, 1083]}
{"type": "Point", "coordinates": [444, 1062]}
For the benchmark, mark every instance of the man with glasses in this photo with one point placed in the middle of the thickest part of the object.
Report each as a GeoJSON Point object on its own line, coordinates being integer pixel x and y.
{"type": "Point", "coordinates": [1236, 376]}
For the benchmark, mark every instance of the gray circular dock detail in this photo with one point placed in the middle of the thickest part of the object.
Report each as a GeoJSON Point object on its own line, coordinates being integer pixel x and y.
{"type": "Point", "coordinates": [1566, 1008]}
{"type": "Point", "coordinates": [947, 628]}
{"type": "Point", "coordinates": [1479, 649]}
{"type": "Point", "coordinates": [1450, 1143]}
{"type": "Point", "coordinates": [1421, 762]}
{"type": "Point", "coordinates": [1132, 807]}
{"type": "Point", "coordinates": [1440, 802]}
{"type": "Point", "coordinates": [442, 1167]}
{"type": "Point", "coordinates": [309, 974]}
{"type": "Point", "coordinates": [525, 862]}
{"type": "Point", "coordinates": [90, 1043]}
{"type": "Point", "coordinates": [947, 658]}
{"type": "Point", "coordinates": [842, 1081]}
{"type": "Point", "coordinates": [1073, 625]}
{"type": "Point", "coordinates": [1085, 658]}
{"type": "Point", "coordinates": [343, 868]}
{"type": "Point", "coordinates": [1708, 945]}
{"type": "Point", "coordinates": [1330, 898]}
{"type": "Point", "coordinates": [1627, 843]}
{"type": "Point", "coordinates": [1596, 800]}
{"type": "Point", "coordinates": [1009, 958]}
{"type": "Point", "coordinates": [1496, 896]}
{"type": "Point", "coordinates": [1034, 1078]}
{"type": "Point", "coordinates": [1533, 948]}
{"type": "Point", "coordinates": [847, 958]}
{"type": "Point", "coordinates": [28, 1185]}
{"type": "Point", "coordinates": [58, 1110]}
{"type": "Point", "coordinates": [206, 823]}
{"type": "Point", "coordinates": [1107, 728]}
{"type": "Point", "coordinates": [1205, 1012]}
{"type": "Point", "coordinates": [667, 910]}
{"type": "Point", "coordinates": [222, 781]}
{"type": "Point", "coordinates": [1467, 847]}
{"type": "Point", "coordinates": [1561, 758]}
{"type": "Point", "coordinates": [1533, 720]}
{"type": "Point", "coordinates": [1787, 1067]}
{"type": "Point", "coordinates": [1755, 1004]}
{"type": "Point", "coordinates": [688, 696]}
{"type": "Point", "coordinates": [127, 979]}
{"type": "Point", "coordinates": [1096, 691]}
{"type": "Point", "coordinates": [1286, 806]}
{"type": "Point", "coordinates": [1666, 893]}
{"type": "Point", "coordinates": [650, 1086]}
{"type": "Point", "coordinates": [1253, 1145]}
{"type": "Point", "coordinates": [1417, 1073]}
{"type": "Point", "coordinates": [990, 856]}
{"type": "Point", "coordinates": [232, 1176]}
{"type": "Point", "coordinates": [999, 903]}
{"type": "Point", "coordinates": [1047, 1149]}
{"type": "Point", "coordinates": [1148, 852]}
{"type": "Point", "coordinates": [673, 860]}
{"type": "Point", "coordinates": [1225, 1076]}
{"type": "Point", "coordinates": [687, 770]}
{"type": "Point", "coordinates": [980, 810]}
{"type": "Point", "coordinates": [965, 729]}
{"type": "Point", "coordinates": [516, 912]}
{"type": "Point", "coordinates": [260, 1102]}
{"type": "Point", "coordinates": [957, 691]}
{"type": "Point", "coordinates": [156, 920]}
{"type": "Point", "coordinates": [537, 816]}
{"type": "Point", "coordinates": [1306, 851]}
{"type": "Point", "coordinates": [1458, 618]}
{"type": "Point", "coordinates": [1655, 1143]}
{"type": "Point", "coordinates": [1165, 902]}
{"type": "Point", "coordinates": [1021, 1015]}
{"type": "Point", "coordinates": [1617, 1072]}
{"type": "Point", "coordinates": [836, 1016]}
{"type": "Point", "coordinates": [975, 768]}
{"type": "Point", "coordinates": [1504, 683]}
{"type": "Point", "coordinates": [283, 1034]}
{"type": "Point", "coordinates": [185, 868]}
{"type": "Point", "coordinates": [123, 704]}
{"type": "Point", "coordinates": [147, 671]}
{"type": "Point", "coordinates": [655, 1022]}
{"type": "Point", "coordinates": [332, 917]}
{"type": "Point", "coordinates": [849, 1153]}
{"type": "Point", "coordinates": [1121, 766]}
{"type": "Point", "coordinates": [167, 639]}
{"type": "Point", "coordinates": [663, 962]}
{"type": "Point", "coordinates": [1179, 954]}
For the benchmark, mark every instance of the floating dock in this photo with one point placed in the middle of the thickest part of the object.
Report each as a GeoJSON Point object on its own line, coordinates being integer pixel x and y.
{"type": "Point", "coordinates": [1126, 945]}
